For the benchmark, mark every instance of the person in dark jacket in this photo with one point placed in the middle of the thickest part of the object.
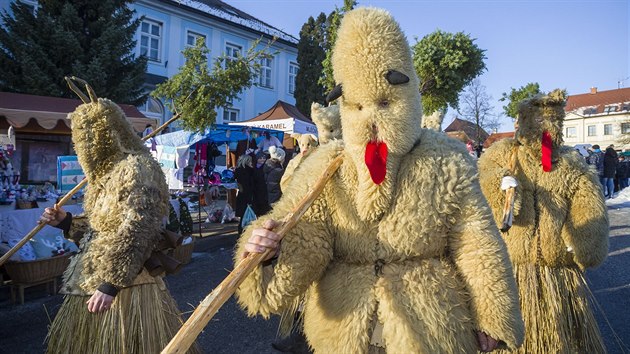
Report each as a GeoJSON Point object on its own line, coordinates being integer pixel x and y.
{"type": "Point", "coordinates": [273, 173]}
{"type": "Point", "coordinates": [623, 172]}
{"type": "Point", "coordinates": [261, 202]}
{"type": "Point", "coordinates": [610, 169]}
{"type": "Point", "coordinates": [244, 175]}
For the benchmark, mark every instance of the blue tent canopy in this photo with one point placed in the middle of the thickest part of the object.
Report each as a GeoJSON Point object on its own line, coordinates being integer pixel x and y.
{"type": "Point", "coordinates": [218, 133]}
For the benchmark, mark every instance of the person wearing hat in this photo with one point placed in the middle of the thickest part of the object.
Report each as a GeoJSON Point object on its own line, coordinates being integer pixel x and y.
{"type": "Point", "coordinates": [273, 173]}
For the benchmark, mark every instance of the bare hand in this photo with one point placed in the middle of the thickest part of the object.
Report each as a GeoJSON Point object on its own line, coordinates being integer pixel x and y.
{"type": "Point", "coordinates": [52, 216]}
{"type": "Point", "coordinates": [99, 302]}
{"type": "Point", "coordinates": [262, 239]}
{"type": "Point", "coordinates": [486, 343]}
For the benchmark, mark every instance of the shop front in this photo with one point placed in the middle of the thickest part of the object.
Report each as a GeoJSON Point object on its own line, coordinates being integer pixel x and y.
{"type": "Point", "coordinates": [41, 132]}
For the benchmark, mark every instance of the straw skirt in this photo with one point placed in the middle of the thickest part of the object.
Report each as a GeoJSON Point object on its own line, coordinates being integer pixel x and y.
{"type": "Point", "coordinates": [556, 311]}
{"type": "Point", "coordinates": [143, 319]}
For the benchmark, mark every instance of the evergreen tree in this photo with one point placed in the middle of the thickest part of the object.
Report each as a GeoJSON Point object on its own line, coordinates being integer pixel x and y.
{"type": "Point", "coordinates": [90, 39]}
{"type": "Point", "coordinates": [310, 56]}
{"type": "Point", "coordinates": [333, 22]}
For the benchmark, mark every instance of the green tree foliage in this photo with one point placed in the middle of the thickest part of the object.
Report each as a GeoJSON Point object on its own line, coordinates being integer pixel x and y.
{"type": "Point", "coordinates": [198, 89]}
{"type": "Point", "coordinates": [310, 56]}
{"type": "Point", "coordinates": [334, 19]}
{"type": "Point", "coordinates": [90, 39]}
{"type": "Point", "coordinates": [446, 63]}
{"type": "Point", "coordinates": [516, 96]}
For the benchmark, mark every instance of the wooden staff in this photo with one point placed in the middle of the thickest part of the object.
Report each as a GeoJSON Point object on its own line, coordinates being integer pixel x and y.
{"type": "Point", "coordinates": [76, 188]}
{"type": "Point", "coordinates": [510, 195]}
{"type": "Point", "coordinates": [213, 302]}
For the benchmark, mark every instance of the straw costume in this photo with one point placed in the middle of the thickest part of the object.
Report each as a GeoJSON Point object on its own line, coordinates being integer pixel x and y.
{"type": "Point", "coordinates": [328, 125]}
{"type": "Point", "coordinates": [399, 253]}
{"type": "Point", "coordinates": [327, 121]}
{"type": "Point", "coordinates": [125, 202]}
{"type": "Point", "coordinates": [560, 227]}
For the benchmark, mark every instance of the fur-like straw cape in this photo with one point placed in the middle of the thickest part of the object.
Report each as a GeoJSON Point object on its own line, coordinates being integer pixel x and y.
{"type": "Point", "coordinates": [419, 252]}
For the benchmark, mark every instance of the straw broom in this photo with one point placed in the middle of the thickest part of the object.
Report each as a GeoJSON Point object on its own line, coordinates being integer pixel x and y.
{"type": "Point", "coordinates": [213, 302]}
{"type": "Point", "coordinates": [83, 182]}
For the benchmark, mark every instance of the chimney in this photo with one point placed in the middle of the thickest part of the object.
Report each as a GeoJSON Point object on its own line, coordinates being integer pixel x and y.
{"type": "Point", "coordinates": [593, 90]}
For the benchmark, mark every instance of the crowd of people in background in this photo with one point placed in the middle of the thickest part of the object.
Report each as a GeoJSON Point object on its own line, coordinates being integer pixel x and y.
{"type": "Point", "coordinates": [258, 173]}
{"type": "Point", "coordinates": [612, 168]}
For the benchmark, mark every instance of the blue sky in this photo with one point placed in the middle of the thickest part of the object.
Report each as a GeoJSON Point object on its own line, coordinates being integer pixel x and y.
{"type": "Point", "coordinates": [568, 44]}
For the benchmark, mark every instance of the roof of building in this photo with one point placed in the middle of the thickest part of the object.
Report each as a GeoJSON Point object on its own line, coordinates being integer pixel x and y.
{"type": "Point", "coordinates": [467, 127]}
{"type": "Point", "coordinates": [19, 109]}
{"type": "Point", "coordinates": [220, 9]}
{"type": "Point", "coordinates": [598, 99]}
{"type": "Point", "coordinates": [494, 137]}
{"type": "Point", "coordinates": [459, 135]}
{"type": "Point", "coordinates": [282, 110]}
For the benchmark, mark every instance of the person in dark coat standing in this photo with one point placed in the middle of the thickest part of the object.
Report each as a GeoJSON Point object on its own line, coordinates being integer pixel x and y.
{"type": "Point", "coordinates": [244, 175]}
{"type": "Point", "coordinates": [261, 202]}
{"type": "Point", "coordinates": [273, 173]}
{"type": "Point", "coordinates": [610, 169]}
{"type": "Point", "coordinates": [623, 172]}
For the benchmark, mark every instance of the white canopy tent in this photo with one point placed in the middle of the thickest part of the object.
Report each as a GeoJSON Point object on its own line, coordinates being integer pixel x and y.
{"type": "Point", "coordinates": [284, 117]}
{"type": "Point", "coordinates": [287, 125]}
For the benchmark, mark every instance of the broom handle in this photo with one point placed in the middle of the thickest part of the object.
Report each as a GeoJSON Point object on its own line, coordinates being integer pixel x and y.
{"type": "Point", "coordinates": [510, 194]}
{"type": "Point", "coordinates": [213, 302]}
{"type": "Point", "coordinates": [69, 195]}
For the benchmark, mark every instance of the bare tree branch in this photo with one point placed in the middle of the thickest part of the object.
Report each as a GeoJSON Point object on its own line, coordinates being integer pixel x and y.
{"type": "Point", "coordinates": [475, 107]}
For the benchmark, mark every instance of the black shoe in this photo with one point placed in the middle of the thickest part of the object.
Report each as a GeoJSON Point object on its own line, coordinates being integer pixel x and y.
{"type": "Point", "coordinates": [294, 343]}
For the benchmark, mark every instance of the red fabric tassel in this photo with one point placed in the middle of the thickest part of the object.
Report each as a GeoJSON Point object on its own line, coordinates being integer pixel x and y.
{"type": "Point", "coordinates": [376, 160]}
{"type": "Point", "coordinates": [546, 148]}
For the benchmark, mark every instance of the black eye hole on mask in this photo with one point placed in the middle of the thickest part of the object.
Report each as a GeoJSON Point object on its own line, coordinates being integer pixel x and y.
{"type": "Point", "coordinates": [396, 77]}
{"type": "Point", "coordinates": [334, 94]}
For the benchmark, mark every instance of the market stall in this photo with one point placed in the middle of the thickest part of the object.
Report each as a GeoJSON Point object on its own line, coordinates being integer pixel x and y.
{"type": "Point", "coordinates": [42, 132]}
{"type": "Point", "coordinates": [284, 117]}
{"type": "Point", "coordinates": [172, 150]}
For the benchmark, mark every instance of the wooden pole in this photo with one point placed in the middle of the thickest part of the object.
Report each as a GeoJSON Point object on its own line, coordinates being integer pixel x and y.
{"type": "Point", "coordinates": [510, 194]}
{"type": "Point", "coordinates": [69, 195]}
{"type": "Point", "coordinates": [213, 302]}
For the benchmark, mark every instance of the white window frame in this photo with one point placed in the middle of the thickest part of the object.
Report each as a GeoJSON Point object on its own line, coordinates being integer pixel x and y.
{"type": "Point", "coordinates": [150, 36]}
{"type": "Point", "coordinates": [229, 112]}
{"type": "Point", "coordinates": [232, 51]}
{"type": "Point", "coordinates": [572, 130]}
{"type": "Point", "coordinates": [610, 109]}
{"type": "Point", "coordinates": [145, 108]}
{"type": "Point", "coordinates": [195, 35]}
{"type": "Point", "coordinates": [625, 128]}
{"type": "Point", "coordinates": [265, 74]}
{"type": "Point", "coordinates": [293, 71]}
{"type": "Point", "coordinates": [590, 111]}
{"type": "Point", "coordinates": [593, 132]}
{"type": "Point", "coordinates": [608, 129]}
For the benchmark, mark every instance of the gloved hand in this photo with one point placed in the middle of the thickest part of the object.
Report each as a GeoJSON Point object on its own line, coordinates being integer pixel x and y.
{"type": "Point", "coordinates": [508, 182]}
